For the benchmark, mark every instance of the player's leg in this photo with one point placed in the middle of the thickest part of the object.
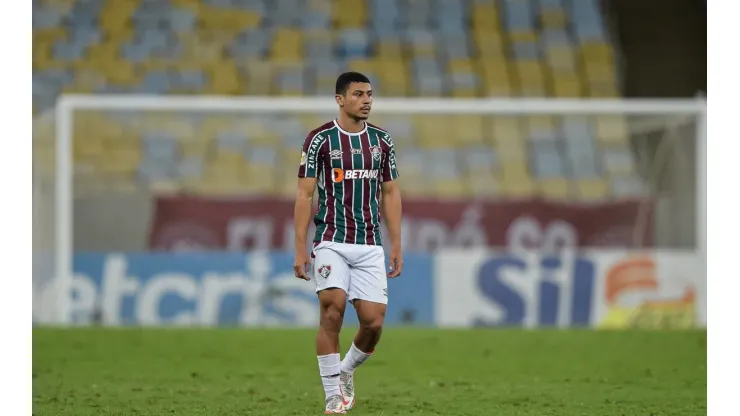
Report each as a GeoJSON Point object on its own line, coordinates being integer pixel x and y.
{"type": "Point", "coordinates": [331, 274]}
{"type": "Point", "coordinates": [369, 294]}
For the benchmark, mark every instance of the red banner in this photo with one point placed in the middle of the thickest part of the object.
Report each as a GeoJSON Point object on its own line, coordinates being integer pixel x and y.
{"type": "Point", "coordinates": [187, 223]}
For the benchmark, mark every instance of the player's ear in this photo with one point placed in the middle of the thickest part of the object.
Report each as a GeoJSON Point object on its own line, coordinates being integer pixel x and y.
{"type": "Point", "coordinates": [340, 99]}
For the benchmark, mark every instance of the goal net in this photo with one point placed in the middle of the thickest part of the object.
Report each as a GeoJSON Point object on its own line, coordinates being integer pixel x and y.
{"type": "Point", "coordinates": [136, 174]}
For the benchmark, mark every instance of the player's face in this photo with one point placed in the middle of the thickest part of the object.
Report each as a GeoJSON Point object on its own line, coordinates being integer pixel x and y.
{"type": "Point", "coordinates": [357, 101]}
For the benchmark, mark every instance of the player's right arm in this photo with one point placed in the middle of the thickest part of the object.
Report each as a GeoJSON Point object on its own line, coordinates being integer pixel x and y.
{"type": "Point", "coordinates": [308, 173]}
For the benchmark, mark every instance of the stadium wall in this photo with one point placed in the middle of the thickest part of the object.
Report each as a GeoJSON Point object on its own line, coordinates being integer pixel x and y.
{"type": "Point", "coordinates": [587, 288]}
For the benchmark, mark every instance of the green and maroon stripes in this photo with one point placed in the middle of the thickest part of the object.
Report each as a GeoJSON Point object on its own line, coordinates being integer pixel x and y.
{"type": "Point", "coordinates": [349, 175]}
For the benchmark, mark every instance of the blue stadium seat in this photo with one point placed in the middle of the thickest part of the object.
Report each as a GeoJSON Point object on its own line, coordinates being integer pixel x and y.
{"type": "Point", "coordinates": [518, 15]}
{"type": "Point", "coordinates": [190, 167]}
{"type": "Point", "coordinates": [547, 162]}
{"type": "Point", "coordinates": [157, 81]}
{"type": "Point", "coordinates": [68, 51]}
{"type": "Point", "coordinates": [46, 18]}
{"type": "Point", "coordinates": [354, 43]}
{"type": "Point", "coordinates": [250, 43]}
{"type": "Point", "coordinates": [262, 155]}
{"type": "Point", "coordinates": [526, 51]}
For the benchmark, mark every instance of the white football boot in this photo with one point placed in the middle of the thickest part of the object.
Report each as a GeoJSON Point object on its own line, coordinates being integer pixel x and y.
{"type": "Point", "coordinates": [335, 405]}
{"type": "Point", "coordinates": [347, 384]}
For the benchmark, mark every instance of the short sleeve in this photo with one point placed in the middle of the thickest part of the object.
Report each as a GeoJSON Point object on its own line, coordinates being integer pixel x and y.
{"type": "Point", "coordinates": [390, 171]}
{"type": "Point", "coordinates": [311, 156]}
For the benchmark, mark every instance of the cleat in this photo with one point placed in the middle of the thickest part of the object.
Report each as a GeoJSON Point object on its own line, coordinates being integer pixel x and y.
{"type": "Point", "coordinates": [335, 405]}
{"type": "Point", "coordinates": [347, 384]}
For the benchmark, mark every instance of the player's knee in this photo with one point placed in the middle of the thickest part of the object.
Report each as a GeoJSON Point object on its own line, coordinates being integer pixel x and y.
{"type": "Point", "coordinates": [331, 318]}
{"type": "Point", "coordinates": [374, 324]}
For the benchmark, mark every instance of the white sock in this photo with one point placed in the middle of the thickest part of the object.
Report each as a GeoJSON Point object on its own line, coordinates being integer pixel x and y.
{"type": "Point", "coordinates": [353, 359]}
{"type": "Point", "coordinates": [329, 371]}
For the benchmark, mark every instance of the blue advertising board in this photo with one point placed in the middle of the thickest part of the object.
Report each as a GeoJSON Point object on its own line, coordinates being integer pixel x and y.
{"type": "Point", "coordinates": [229, 289]}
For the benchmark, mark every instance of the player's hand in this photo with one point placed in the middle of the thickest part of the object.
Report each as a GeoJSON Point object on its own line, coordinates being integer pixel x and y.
{"type": "Point", "coordinates": [396, 263]}
{"type": "Point", "coordinates": [301, 265]}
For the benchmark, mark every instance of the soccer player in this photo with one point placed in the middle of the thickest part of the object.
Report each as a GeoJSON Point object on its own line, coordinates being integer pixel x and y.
{"type": "Point", "coordinates": [354, 166]}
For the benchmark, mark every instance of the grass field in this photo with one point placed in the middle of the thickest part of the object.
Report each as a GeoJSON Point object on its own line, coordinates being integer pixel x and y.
{"type": "Point", "coordinates": [414, 372]}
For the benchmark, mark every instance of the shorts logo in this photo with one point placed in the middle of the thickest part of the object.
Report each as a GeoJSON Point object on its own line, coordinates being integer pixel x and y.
{"type": "Point", "coordinates": [303, 158]}
{"type": "Point", "coordinates": [338, 174]}
{"type": "Point", "coordinates": [385, 292]}
{"type": "Point", "coordinates": [375, 151]}
{"type": "Point", "coordinates": [325, 271]}
{"type": "Point", "coordinates": [335, 154]}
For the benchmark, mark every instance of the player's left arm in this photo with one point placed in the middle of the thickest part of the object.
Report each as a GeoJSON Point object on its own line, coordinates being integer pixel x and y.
{"type": "Point", "coordinates": [392, 209]}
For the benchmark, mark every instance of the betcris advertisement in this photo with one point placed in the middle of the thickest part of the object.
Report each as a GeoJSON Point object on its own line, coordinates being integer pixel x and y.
{"type": "Point", "coordinates": [589, 288]}
{"type": "Point", "coordinates": [220, 289]}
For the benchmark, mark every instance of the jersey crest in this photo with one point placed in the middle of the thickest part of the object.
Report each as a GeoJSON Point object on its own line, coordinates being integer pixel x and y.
{"type": "Point", "coordinates": [325, 271]}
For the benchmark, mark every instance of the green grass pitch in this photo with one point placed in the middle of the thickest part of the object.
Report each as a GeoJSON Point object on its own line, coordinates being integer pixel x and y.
{"type": "Point", "coordinates": [414, 372]}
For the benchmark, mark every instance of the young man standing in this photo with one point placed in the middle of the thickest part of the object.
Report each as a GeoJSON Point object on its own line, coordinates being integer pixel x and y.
{"type": "Point", "coordinates": [353, 163]}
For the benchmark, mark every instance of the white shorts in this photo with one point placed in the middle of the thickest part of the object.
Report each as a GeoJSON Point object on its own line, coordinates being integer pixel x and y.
{"type": "Point", "coordinates": [357, 269]}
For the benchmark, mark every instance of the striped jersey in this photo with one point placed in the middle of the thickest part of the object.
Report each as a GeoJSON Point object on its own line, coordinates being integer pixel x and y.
{"type": "Point", "coordinates": [350, 168]}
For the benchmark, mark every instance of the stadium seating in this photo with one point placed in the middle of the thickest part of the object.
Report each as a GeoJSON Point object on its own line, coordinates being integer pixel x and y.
{"type": "Point", "coordinates": [426, 48]}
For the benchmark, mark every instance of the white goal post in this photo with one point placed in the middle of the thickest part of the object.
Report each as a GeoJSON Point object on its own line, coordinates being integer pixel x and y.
{"type": "Point", "coordinates": [67, 105]}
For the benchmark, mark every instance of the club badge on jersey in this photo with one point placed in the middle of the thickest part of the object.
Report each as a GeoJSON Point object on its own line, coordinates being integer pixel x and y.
{"type": "Point", "coordinates": [325, 271]}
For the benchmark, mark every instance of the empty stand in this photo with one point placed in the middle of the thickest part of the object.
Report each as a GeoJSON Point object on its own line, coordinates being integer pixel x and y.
{"type": "Point", "coordinates": [427, 48]}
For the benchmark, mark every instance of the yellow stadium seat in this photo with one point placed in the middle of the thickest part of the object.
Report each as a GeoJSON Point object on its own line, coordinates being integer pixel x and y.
{"type": "Point", "coordinates": [507, 131]}
{"type": "Point", "coordinates": [116, 14]}
{"type": "Point", "coordinates": [514, 169]}
{"type": "Point", "coordinates": [122, 161]}
{"type": "Point", "coordinates": [415, 185]}
{"type": "Point", "coordinates": [42, 58]}
{"type": "Point", "coordinates": [597, 52]}
{"type": "Point", "coordinates": [434, 132]}
{"type": "Point", "coordinates": [486, 16]}
{"type": "Point", "coordinates": [49, 35]}
{"type": "Point", "coordinates": [553, 19]}
{"type": "Point", "coordinates": [539, 123]}
{"type": "Point", "coordinates": [393, 78]}
{"type": "Point", "coordinates": [390, 50]}
{"type": "Point", "coordinates": [496, 78]}
{"type": "Point", "coordinates": [349, 14]}
{"type": "Point", "coordinates": [258, 78]}
{"type": "Point", "coordinates": [531, 77]}
{"type": "Point", "coordinates": [603, 90]}
{"type": "Point", "coordinates": [260, 176]}
{"type": "Point", "coordinates": [484, 185]}
{"type": "Point", "coordinates": [288, 186]}
{"type": "Point", "coordinates": [612, 129]}
{"type": "Point", "coordinates": [554, 188]}
{"type": "Point", "coordinates": [119, 34]}
{"type": "Point", "coordinates": [194, 148]}
{"type": "Point", "coordinates": [601, 73]}
{"type": "Point", "coordinates": [88, 150]}
{"type": "Point", "coordinates": [490, 46]}
{"type": "Point", "coordinates": [592, 189]}
{"type": "Point", "coordinates": [451, 188]}
{"type": "Point", "coordinates": [523, 37]}
{"type": "Point", "coordinates": [231, 20]}
{"type": "Point", "coordinates": [363, 65]}
{"type": "Point", "coordinates": [517, 187]}
{"type": "Point", "coordinates": [567, 85]}
{"type": "Point", "coordinates": [469, 129]}
{"type": "Point", "coordinates": [561, 59]}
{"type": "Point", "coordinates": [287, 43]}
{"type": "Point", "coordinates": [225, 79]}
